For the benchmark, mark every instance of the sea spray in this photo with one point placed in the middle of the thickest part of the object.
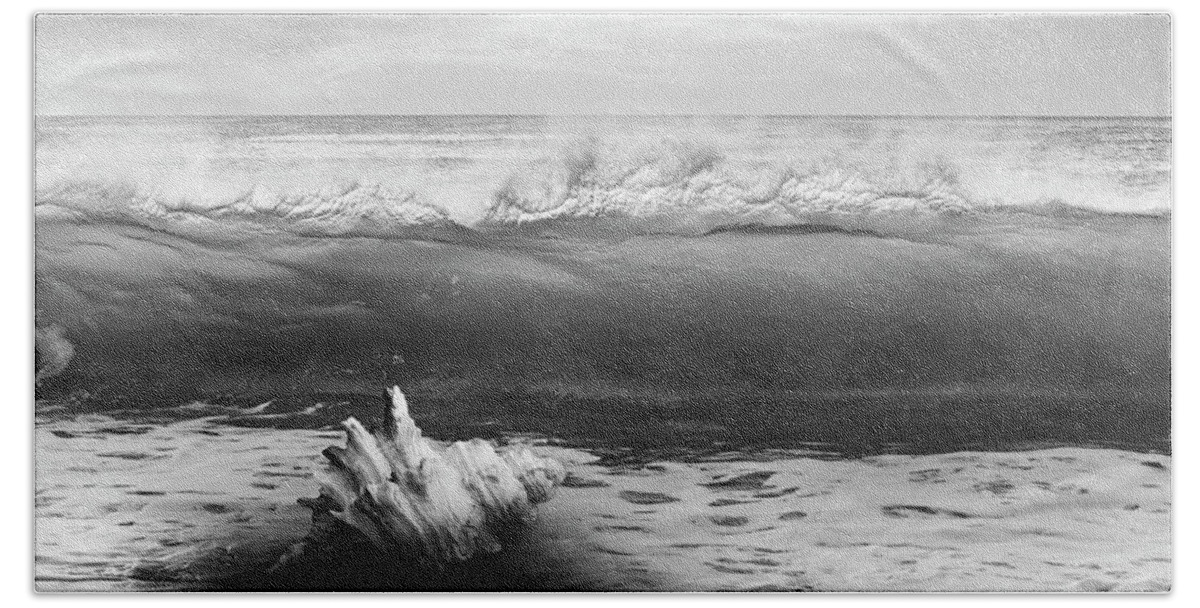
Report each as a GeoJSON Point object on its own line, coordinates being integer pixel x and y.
{"type": "Point", "coordinates": [53, 351]}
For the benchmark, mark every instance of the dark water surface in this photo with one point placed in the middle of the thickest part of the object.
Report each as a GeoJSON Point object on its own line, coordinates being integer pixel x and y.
{"type": "Point", "coordinates": [996, 336]}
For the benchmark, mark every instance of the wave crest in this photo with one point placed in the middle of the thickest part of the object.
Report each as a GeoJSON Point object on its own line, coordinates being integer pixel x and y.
{"type": "Point", "coordinates": [690, 189]}
{"type": "Point", "coordinates": [593, 188]}
{"type": "Point", "coordinates": [685, 184]}
{"type": "Point", "coordinates": [352, 210]}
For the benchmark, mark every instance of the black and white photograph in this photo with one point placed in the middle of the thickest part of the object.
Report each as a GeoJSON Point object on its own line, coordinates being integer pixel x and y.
{"type": "Point", "coordinates": [602, 302]}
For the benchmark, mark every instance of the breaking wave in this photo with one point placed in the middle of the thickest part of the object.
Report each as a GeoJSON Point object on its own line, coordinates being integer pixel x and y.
{"type": "Point", "coordinates": [781, 287]}
{"type": "Point", "coordinates": [673, 187]}
{"type": "Point", "coordinates": [352, 210]}
{"type": "Point", "coordinates": [689, 188]}
{"type": "Point", "coordinates": [685, 187]}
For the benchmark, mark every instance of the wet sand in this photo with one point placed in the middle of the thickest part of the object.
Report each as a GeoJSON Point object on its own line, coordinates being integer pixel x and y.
{"type": "Point", "coordinates": [126, 507]}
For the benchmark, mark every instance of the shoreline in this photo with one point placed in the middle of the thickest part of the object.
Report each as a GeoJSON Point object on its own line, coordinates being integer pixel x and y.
{"type": "Point", "coordinates": [191, 504]}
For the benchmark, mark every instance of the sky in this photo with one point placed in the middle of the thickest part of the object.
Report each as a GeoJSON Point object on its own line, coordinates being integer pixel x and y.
{"type": "Point", "coordinates": [895, 64]}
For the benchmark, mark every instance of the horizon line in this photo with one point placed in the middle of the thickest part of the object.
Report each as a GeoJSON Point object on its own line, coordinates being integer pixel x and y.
{"type": "Point", "coordinates": [603, 115]}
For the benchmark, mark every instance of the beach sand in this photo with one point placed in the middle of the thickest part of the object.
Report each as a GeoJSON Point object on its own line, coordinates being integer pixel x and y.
{"type": "Point", "coordinates": [126, 507]}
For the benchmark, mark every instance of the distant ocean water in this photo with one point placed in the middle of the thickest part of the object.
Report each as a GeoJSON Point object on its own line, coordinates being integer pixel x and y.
{"type": "Point", "coordinates": [865, 283]}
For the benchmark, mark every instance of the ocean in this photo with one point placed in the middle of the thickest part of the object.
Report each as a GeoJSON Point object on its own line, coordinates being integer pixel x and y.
{"type": "Point", "coordinates": [638, 286]}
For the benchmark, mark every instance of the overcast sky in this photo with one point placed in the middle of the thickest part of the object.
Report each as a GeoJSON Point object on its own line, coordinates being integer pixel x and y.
{"type": "Point", "coordinates": [600, 64]}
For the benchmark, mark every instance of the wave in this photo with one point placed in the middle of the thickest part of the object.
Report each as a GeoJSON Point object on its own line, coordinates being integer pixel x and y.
{"type": "Point", "coordinates": [681, 187]}
{"type": "Point", "coordinates": [350, 210]}
{"type": "Point", "coordinates": [690, 187]}
{"type": "Point", "coordinates": [752, 334]}
{"type": "Point", "coordinates": [590, 188]}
